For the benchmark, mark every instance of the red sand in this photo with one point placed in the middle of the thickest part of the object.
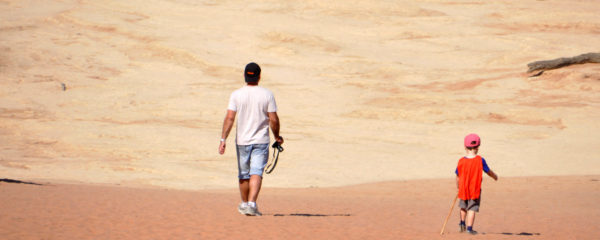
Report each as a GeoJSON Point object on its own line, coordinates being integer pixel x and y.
{"type": "Point", "coordinates": [546, 207]}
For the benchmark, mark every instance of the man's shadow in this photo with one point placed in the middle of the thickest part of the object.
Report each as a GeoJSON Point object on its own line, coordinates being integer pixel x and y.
{"type": "Point", "coordinates": [309, 215]}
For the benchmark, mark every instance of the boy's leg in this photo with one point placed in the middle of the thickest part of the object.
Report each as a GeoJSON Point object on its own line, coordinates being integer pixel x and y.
{"type": "Point", "coordinates": [463, 215]}
{"type": "Point", "coordinates": [470, 218]}
{"type": "Point", "coordinates": [473, 207]}
{"type": "Point", "coordinates": [463, 204]}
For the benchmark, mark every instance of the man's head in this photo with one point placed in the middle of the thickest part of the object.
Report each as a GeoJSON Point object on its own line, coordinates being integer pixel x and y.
{"type": "Point", "coordinates": [252, 73]}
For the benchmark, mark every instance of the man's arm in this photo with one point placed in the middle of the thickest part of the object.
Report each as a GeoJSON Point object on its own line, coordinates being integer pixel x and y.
{"type": "Point", "coordinates": [274, 124]}
{"type": "Point", "coordinates": [227, 125]}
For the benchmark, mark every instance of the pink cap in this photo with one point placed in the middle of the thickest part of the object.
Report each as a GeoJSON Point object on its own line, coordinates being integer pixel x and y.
{"type": "Point", "coordinates": [472, 140]}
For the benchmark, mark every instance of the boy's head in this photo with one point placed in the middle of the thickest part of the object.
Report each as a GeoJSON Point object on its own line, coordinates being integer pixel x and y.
{"type": "Point", "coordinates": [472, 141]}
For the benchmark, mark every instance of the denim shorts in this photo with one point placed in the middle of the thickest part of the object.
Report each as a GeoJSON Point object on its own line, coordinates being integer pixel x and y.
{"type": "Point", "coordinates": [252, 159]}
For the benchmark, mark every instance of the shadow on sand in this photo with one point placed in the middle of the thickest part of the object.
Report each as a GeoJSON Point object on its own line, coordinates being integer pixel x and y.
{"type": "Point", "coordinates": [310, 215]}
{"type": "Point", "coordinates": [518, 234]}
{"type": "Point", "coordinates": [18, 181]}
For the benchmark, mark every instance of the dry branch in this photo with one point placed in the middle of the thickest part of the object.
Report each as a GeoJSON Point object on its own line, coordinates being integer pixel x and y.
{"type": "Point", "coordinates": [562, 62]}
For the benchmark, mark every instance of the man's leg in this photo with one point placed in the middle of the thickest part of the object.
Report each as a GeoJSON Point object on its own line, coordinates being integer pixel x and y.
{"type": "Point", "coordinates": [254, 188]}
{"type": "Point", "coordinates": [243, 156]}
{"type": "Point", "coordinates": [260, 155]}
{"type": "Point", "coordinates": [244, 189]}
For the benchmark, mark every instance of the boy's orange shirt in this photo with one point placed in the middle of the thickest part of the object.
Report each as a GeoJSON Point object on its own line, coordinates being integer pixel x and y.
{"type": "Point", "coordinates": [470, 172]}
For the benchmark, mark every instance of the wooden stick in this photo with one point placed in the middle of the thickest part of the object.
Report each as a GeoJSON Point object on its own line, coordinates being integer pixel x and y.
{"type": "Point", "coordinates": [450, 213]}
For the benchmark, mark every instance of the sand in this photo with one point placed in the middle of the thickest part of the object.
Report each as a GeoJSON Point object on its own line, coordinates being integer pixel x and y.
{"type": "Point", "coordinates": [131, 95]}
{"type": "Point", "coordinates": [557, 208]}
{"type": "Point", "coordinates": [367, 91]}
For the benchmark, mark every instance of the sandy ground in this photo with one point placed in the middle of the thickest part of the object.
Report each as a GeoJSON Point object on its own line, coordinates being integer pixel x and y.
{"type": "Point", "coordinates": [512, 208]}
{"type": "Point", "coordinates": [133, 93]}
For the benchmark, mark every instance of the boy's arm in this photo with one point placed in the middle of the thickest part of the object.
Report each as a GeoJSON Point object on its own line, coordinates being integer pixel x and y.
{"type": "Point", "coordinates": [488, 171]}
{"type": "Point", "coordinates": [493, 175]}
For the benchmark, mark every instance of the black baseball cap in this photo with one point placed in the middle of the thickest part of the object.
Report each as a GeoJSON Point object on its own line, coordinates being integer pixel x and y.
{"type": "Point", "coordinates": [252, 72]}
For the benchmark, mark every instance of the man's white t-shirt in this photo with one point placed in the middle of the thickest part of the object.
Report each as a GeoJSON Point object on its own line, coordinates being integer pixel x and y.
{"type": "Point", "coordinates": [252, 105]}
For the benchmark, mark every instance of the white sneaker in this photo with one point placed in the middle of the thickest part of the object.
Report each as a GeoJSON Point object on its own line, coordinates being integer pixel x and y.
{"type": "Point", "coordinates": [253, 211]}
{"type": "Point", "coordinates": [243, 208]}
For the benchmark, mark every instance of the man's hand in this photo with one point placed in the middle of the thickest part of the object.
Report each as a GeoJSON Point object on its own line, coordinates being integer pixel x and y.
{"type": "Point", "coordinates": [279, 139]}
{"type": "Point", "coordinates": [222, 147]}
{"type": "Point", "coordinates": [274, 124]}
{"type": "Point", "coordinates": [227, 124]}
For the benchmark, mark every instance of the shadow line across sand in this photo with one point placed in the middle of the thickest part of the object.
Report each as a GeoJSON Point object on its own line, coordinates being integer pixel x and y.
{"type": "Point", "coordinates": [515, 234]}
{"type": "Point", "coordinates": [310, 215]}
{"type": "Point", "coordinates": [19, 181]}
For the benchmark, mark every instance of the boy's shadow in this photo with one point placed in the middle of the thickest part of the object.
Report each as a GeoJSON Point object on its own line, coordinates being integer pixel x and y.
{"type": "Point", "coordinates": [518, 234]}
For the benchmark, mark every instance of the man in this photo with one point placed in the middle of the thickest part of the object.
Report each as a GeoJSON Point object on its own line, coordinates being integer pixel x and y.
{"type": "Point", "coordinates": [257, 110]}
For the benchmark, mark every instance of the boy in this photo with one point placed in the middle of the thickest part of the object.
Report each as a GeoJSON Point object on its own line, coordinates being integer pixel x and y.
{"type": "Point", "coordinates": [468, 181]}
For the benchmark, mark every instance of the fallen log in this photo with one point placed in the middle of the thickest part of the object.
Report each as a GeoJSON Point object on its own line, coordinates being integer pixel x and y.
{"type": "Point", "coordinates": [562, 62]}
